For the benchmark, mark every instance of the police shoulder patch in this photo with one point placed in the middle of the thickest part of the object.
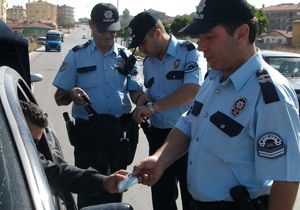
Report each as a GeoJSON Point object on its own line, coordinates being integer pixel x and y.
{"type": "Point", "coordinates": [267, 86]}
{"type": "Point", "coordinates": [270, 146]}
{"type": "Point", "coordinates": [78, 47]}
{"type": "Point", "coordinates": [189, 45]}
{"type": "Point", "coordinates": [63, 66]}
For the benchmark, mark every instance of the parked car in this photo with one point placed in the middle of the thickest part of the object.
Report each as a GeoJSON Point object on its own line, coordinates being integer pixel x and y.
{"type": "Point", "coordinates": [41, 40]}
{"type": "Point", "coordinates": [287, 63]}
{"type": "Point", "coordinates": [23, 181]}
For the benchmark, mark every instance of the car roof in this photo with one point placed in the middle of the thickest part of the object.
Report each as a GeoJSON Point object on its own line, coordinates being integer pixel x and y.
{"type": "Point", "coordinates": [14, 52]}
{"type": "Point", "coordinates": [273, 53]}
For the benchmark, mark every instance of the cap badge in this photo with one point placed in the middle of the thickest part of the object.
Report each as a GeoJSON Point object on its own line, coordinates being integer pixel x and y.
{"type": "Point", "coordinates": [200, 9]}
{"type": "Point", "coordinates": [238, 106]}
{"type": "Point", "coordinates": [108, 16]}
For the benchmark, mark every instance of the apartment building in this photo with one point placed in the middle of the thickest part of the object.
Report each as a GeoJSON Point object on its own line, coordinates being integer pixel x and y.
{"type": "Point", "coordinates": [282, 16]}
{"type": "Point", "coordinates": [3, 6]}
{"type": "Point", "coordinates": [16, 14]}
{"type": "Point", "coordinates": [41, 11]}
{"type": "Point", "coordinates": [65, 14]}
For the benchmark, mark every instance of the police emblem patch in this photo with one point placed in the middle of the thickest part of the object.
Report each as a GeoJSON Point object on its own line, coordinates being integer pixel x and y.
{"type": "Point", "coordinates": [176, 64]}
{"type": "Point", "coordinates": [238, 106]}
{"type": "Point", "coordinates": [270, 146]}
{"type": "Point", "coordinates": [63, 66]}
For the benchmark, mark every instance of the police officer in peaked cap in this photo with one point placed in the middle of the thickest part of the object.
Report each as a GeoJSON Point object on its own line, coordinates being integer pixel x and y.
{"type": "Point", "coordinates": [91, 71]}
{"type": "Point", "coordinates": [173, 72]}
{"type": "Point", "coordinates": [242, 132]}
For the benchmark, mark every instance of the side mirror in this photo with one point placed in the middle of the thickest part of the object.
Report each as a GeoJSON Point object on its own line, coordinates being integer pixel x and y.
{"type": "Point", "coordinates": [36, 77]}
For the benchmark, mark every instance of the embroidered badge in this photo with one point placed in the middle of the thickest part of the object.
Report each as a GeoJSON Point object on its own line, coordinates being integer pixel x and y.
{"type": "Point", "coordinates": [63, 66]}
{"type": "Point", "coordinates": [238, 106]}
{"type": "Point", "coordinates": [270, 146]}
{"type": "Point", "coordinates": [191, 66]}
{"type": "Point", "coordinates": [200, 9]}
{"type": "Point", "coordinates": [176, 64]}
{"type": "Point", "coordinates": [108, 16]}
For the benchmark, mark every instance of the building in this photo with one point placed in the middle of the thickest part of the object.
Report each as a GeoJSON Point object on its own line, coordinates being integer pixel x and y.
{"type": "Point", "coordinates": [41, 11]}
{"type": "Point", "coordinates": [278, 37]}
{"type": "Point", "coordinates": [16, 14]}
{"type": "Point", "coordinates": [296, 34]}
{"type": "Point", "coordinates": [282, 16]}
{"type": "Point", "coordinates": [160, 15]}
{"type": "Point", "coordinates": [32, 29]}
{"type": "Point", "coordinates": [3, 6]}
{"type": "Point", "coordinates": [65, 15]}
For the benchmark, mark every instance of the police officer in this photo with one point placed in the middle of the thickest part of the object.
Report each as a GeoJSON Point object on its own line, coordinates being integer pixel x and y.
{"type": "Point", "coordinates": [242, 132]}
{"type": "Point", "coordinates": [92, 70]}
{"type": "Point", "coordinates": [173, 71]}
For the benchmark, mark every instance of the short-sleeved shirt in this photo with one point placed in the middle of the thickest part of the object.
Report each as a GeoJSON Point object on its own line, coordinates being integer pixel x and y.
{"type": "Point", "coordinates": [96, 73]}
{"type": "Point", "coordinates": [183, 64]}
{"type": "Point", "coordinates": [244, 131]}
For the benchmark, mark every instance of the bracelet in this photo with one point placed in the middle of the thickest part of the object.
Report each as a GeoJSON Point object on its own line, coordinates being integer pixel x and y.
{"type": "Point", "coordinates": [150, 107]}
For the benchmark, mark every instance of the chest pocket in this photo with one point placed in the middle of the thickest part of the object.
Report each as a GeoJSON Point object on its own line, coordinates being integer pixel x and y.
{"type": "Point", "coordinates": [86, 76]}
{"type": "Point", "coordinates": [226, 124]}
{"type": "Point", "coordinates": [175, 75]}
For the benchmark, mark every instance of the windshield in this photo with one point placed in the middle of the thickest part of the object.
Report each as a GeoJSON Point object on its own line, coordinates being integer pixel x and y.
{"type": "Point", "coordinates": [53, 37]}
{"type": "Point", "coordinates": [288, 66]}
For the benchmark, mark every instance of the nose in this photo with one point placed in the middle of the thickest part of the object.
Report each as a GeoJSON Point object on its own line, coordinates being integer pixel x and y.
{"type": "Point", "coordinates": [201, 45]}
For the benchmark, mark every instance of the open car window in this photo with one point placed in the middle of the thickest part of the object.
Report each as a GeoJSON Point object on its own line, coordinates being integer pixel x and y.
{"type": "Point", "coordinates": [288, 66]}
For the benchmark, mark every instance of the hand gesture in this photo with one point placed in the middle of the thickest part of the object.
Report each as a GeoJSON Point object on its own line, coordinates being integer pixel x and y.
{"type": "Point", "coordinates": [110, 183]}
{"type": "Point", "coordinates": [149, 170]}
{"type": "Point", "coordinates": [77, 95]}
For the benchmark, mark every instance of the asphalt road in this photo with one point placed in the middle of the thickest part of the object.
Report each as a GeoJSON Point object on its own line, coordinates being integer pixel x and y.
{"type": "Point", "coordinates": [47, 64]}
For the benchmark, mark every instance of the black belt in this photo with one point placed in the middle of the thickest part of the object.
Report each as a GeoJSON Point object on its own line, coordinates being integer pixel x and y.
{"type": "Point", "coordinates": [259, 202]}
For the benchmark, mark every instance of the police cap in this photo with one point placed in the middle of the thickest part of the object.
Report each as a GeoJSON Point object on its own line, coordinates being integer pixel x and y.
{"type": "Point", "coordinates": [213, 12]}
{"type": "Point", "coordinates": [139, 27]}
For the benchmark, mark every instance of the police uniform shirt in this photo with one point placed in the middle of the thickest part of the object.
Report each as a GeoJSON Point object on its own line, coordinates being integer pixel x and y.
{"type": "Point", "coordinates": [240, 135]}
{"type": "Point", "coordinates": [182, 64]}
{"type": "Point", "coordinates": [96, 73]}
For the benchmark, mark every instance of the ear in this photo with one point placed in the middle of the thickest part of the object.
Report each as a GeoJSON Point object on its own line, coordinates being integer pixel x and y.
{"type": "Point", "coordinates": [242, 34]}
{"type": "Point", "coordinates": [158, 33]}
{"type": "Point", "coordinates": [92, 24]}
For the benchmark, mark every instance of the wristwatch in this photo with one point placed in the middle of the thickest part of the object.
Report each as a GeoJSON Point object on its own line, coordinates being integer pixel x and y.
{"type": "Point", "coordinates": [150, 106]}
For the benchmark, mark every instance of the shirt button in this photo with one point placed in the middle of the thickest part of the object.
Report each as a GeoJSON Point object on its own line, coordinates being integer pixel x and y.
{"type": "Point", "coordinates": [197, 139]}
{"type": "Point", "coordinates": [218, 91]}
{"type": "Point", "coordinates": [190, 162]}
{"type": "Point", "coordinates": [222, 126]}
{"type": "Point", "coordinates": [205, 115]}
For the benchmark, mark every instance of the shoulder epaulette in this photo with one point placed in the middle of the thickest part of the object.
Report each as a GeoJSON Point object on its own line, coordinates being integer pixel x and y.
{"type": "Point", "coordinates": [267, 87]}
{"type": "Point", "coordinates": [78, 47]}
{"type": "Point", "coordinates": [189, 45]}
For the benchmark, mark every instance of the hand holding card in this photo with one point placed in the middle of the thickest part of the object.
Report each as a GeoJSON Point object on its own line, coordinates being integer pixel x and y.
{"type": "Point", "coordinates": [128, 182]}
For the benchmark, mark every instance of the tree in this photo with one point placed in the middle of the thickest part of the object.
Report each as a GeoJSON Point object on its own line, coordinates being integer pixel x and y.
{"type": "Point", "coordinates": [262, 21]}
{"type": "Point", "coordinates": [126, 14]}
{"type": "Point", "coordinates": [179, 23]}
{"type": "Point", "coordinates": [167, 27]}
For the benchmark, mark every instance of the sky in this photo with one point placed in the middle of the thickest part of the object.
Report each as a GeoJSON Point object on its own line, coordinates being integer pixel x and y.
{"type": "Point", "coordinates": [170, 7]}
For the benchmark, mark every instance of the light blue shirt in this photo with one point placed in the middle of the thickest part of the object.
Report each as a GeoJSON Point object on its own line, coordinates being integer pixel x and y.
{"type": "Point", "coordinates": [263, 143]}
{"type": "Point", "coordinates": [96, 73]}
{"type": "Point", "coordinates": [179, 57]}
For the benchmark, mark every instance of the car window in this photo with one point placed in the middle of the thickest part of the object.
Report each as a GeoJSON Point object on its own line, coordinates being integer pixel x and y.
{"type": "Point", "coordinates": [13, 191]}
{"type": "Point", "coordinates": [288, 66]}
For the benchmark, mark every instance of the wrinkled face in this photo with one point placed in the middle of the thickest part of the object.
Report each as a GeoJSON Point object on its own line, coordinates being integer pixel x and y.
{"type": "Point", "coordinates": [150, 45]}
{"type": "Point", "coordinates": [219, 48]}
{"type": "Point", "coordinates": [103, 40]}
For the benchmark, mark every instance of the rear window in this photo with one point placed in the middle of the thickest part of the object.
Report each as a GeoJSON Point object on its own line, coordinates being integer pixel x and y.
{"type": "Point", "coordinates": [288, 66]}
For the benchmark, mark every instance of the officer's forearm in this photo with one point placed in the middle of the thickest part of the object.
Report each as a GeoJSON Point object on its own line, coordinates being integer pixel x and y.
{"type": "Point", "coordinates": [175, 146]}
{"type": "Point", "coordinates": [62, 97]}
{"type": "Point", "coordinates": [180, 97]}
{"type": "Point", "coordinates": [283, 195]}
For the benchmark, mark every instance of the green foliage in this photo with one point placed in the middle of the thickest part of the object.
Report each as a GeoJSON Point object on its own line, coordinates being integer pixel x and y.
{"type": "Point", "coordinates": [262, 21]}
{"type": "Point", "coordinates": [126, 14]}
{"type": "Point", "coordinates": [179, 23]}
{"type": "Point", "coordinates": [167, 27]}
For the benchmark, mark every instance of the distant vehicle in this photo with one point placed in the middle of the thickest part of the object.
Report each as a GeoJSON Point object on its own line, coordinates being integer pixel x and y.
{"type": "Point", "coordinates": [41, 40]}
{"type": "Point", "coordinates": [287, 63]}
{"type": "Point", "coordinates": [53, 41]}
